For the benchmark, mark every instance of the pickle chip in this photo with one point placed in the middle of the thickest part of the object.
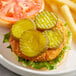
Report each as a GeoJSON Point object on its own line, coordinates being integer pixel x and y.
{"type": "Point", "coordinates": [45, 20]}
{"type": "Point", "coordinates": [55, 38]}
{"type": "Point", "coordinates": [32, 43]}
{"type": "Point", "coordinates": [22, 25]}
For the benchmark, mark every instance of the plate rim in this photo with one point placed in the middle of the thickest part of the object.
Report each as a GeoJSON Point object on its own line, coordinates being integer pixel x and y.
{"type": "Point", "coordinates": [4, 60]}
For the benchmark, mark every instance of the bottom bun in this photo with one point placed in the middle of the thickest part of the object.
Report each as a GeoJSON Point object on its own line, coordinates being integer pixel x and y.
{"type": "Point", "coordinates": [64, 58]}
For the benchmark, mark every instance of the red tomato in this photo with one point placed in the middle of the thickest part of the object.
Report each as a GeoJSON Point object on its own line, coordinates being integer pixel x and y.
{"type": "Point", "coordinates": [14, 10]}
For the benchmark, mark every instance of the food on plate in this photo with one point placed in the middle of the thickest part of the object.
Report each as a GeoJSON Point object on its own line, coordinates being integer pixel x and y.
{"type": "Point", "coordinates": [48, 58]}
{"type": "Point", "coordinates": [32, 48]}
{"type": "Point", "coordinates": [22, 25]}
{"type": "Point", "coordinates": [45, 20]}
{"type": "Point", "coordinates": [39, 42]}
{"type": "Point", "coordinates": [14, 10]}
{"type": "Point", "coordinates": [55, 38]}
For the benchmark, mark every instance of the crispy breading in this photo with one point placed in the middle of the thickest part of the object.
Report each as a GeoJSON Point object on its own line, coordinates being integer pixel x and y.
{"type": "Point", "coordinates": [48, 54]}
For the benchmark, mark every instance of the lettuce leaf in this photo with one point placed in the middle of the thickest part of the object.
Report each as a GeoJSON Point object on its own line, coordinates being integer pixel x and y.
{"type": "Point", "coordinates": [65, 24]}
{"type": "Point", "coordinates": [6, 37]}
{"type": "Point", "coordinates": [9, 47]}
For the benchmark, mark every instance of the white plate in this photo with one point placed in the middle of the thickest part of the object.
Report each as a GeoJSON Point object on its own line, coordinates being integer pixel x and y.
{"type": "Point", "coordinates": [7, 59]}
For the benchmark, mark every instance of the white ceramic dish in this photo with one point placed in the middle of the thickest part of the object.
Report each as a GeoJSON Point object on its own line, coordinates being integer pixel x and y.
{"type": "Point", "coordinates": [7, 60]}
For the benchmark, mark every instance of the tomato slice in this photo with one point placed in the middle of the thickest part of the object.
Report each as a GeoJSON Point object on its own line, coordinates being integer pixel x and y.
{"type": "Point", "coordinates": [14, 10]}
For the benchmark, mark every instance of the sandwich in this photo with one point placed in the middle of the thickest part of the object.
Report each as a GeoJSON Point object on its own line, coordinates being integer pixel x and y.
{"type": "Point", "coordinates": [40, 43]}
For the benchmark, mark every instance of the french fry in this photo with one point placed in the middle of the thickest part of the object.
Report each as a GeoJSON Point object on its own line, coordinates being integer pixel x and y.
{"type": "Point", "coordinates": [71, 4]}
{"type": "Point", "coordinates": [53, 6]}
{"type": "Point", "coordinates": [74, 1]}
{"type": "Point", "coordinates": [68, 16]}
{"type": "Point", "coordinates": [74, 15]}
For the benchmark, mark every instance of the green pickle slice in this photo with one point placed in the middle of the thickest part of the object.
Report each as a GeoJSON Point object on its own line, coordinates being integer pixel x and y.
{"type": "Point", "coordinates": [55, 38]}
{"type": "Point", "coordinates": [22, 25]}
{"type": "Point", "coordinates": [46, 20]}
{"type": "Point", "coordinates": [32, 43]}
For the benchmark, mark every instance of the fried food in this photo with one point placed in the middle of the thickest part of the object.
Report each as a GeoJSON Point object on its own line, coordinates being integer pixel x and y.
{"type": "Point", "coordinates": [45, 56]}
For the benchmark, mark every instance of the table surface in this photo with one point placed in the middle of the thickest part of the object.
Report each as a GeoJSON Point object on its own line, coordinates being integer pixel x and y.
{"type": "Point", "coordinates": [6, 72]}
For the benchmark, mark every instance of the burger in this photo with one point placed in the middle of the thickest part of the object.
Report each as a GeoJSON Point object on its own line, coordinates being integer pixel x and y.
{"type": "Point", "coordinates": [40, 43]}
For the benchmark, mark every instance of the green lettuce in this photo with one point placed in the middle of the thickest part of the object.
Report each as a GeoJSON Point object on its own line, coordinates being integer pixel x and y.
{"type": "Point", "coordinates": [9, 47]}
{"type": "Point", "coordinates": [6, 37]}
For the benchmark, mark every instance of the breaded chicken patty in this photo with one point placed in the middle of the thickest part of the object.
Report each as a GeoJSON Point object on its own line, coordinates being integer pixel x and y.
{"type": "Point", "coordinates": [45, 56]}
